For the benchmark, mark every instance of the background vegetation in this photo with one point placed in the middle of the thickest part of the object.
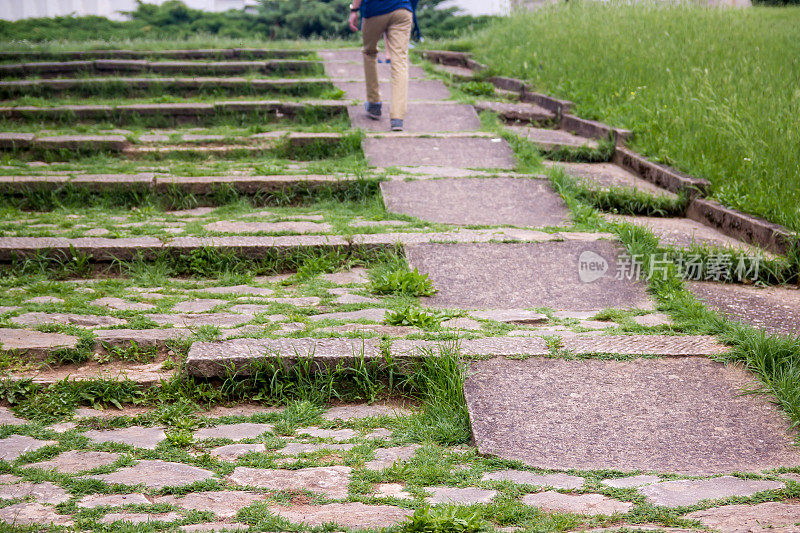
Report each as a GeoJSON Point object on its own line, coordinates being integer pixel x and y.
{"type": "Point", "coordinates": [711, 91]}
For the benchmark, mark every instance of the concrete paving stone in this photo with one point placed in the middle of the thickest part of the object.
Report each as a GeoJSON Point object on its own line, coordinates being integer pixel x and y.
{"type": "Point", "coordinates": [686, 492]}
{"type": "Point", "coordinates": [352, 515]}
{"type": "Point", "coordinates": [44, 492]}
{"type": "Point", "coordinates": [459, 496]}
{"type": "Point", "coordinates": [510, 316]}
{"type": "Point", "coordinates": [360, 223]}
{"type": "Point", "coordinates": [15, 445]}
{"type": "Point", "coordinates": [190, 320]}
{"type": "Point", "coordinates": [604, 176]}
{"type": "Point", "coordinates": [421, 118]}
{"type": "Point", "coordinates": [255, 309]}
{"type": "Point", "coordinates": [214, 526]}
{"type": "Point", "coordinates": [347, 299]}
{"type": "Point", "coordinates": [300, 301]}
{"type": "Point", "coordinates": [363, 410]}
{"type": "Point", "coordinates": [631, 481]}
{"type": "Point", "coordinates": [223, 503]}
{"type": "Point", "coordinates": [237, 289]}
{"type": "Point", "coordinates": [534, 275]}
{"type": "Point", "coordinates": [335, 434]}
{"type": "Point", "coordinates": [143, 338]}
{"type": "Point", "coordinates": [392, 490]}
{"type": "Point", "coordinates": [90, 501]}
{"type": "Point", "coordinates": [776, 310]}
{"type": "Point", "coordinates": [548, 139]}
{"type": "Point", "coordinates": [462, 323]}
{"type": "Point", "coordinates": [74, 461]}
{"type": "Point", "coordinates": [136, 436]}
{"type": "Point", "coordinates": [330, 481]}
{"type": "Point", "coordinates": [84, 321]}
{"type": "Point", "coordinates": [653, 320]}
{"type": "Point", "coordinates": [294, 449]}
{"type": "Point", "coordinates": [492, 202]}
{"type": "Point", "coordinates": [386, 457]}
{"type": "Point", "coordinates": [683, 232]}
{"type": "Point", "coordinates": [523, 477]}
{"type": "Point", "coordinates": [355, 276]}
{"type": "Point", "coordinates": [229, 226]}
{"type": "Point", "coordinates": [418, 90]}
{"type": "Point", "coordinates": [156, 474]}
{"type": "Point", "coordinates": [153, 138]}
{"type": "Point", "coordinates": [379, 329]}
{"type": "Point", "coordinates": [197, 306]}
{"type": "Point", "coordinates": [5, 479]}
{"type": "Point", "coordinates": [33, 513]}
{"type": "Point", "coordinates": [240, 431]}
{"type": "Point", "coordinates": [35, 344]}
{"type": "Point", "coordinates": [232, 452]}
{"type": "Point", "coordinates": [45, 300]}
{"type": "Point", "coordinates": [140, 518]}
{"type": "Point", "coordinates": [7, 418]}
{"type": "Point", "coordinates": [668, 345]}
{"type": "Point", "coordinates": [214, 358]}
{"type": "Point", "coordinates": [122, 305]}
{"type": "Point", "coordinates": [485, 347]}
{"type": "Point", "coordinates": [96, 232]}
{"type": "Point", "coordinates": [354, 70]}
{"type": "Point", "coordinates": [644, 414]}
{"type": "Point", "coordinates": [459, 152]}
{"type": "Point", "coordinates": [759, 518]}
{"type": "Point", "coordinates": [379, 434]}
{"type": "Point", "coordinates": [585, 504]}
{"type": "Point", "coordinates": [371, 314]}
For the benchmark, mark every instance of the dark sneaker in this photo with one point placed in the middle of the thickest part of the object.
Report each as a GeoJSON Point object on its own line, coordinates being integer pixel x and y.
{"type": "Point", "coordinates": [373, 110]}
{"type": "Point", "coordinates": [397, 124]}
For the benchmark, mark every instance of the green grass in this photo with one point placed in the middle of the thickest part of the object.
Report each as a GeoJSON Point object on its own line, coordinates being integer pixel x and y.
{"type": "Point", "coordinates": [712, 92]}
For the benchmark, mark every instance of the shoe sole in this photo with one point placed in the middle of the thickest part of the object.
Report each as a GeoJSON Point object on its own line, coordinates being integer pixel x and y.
{"type": "Point", "coordinates": [374, 117]}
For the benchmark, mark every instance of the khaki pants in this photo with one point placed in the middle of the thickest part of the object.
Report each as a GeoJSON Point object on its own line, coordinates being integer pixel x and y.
{"type": "Point", "coordinates": [397, 26]}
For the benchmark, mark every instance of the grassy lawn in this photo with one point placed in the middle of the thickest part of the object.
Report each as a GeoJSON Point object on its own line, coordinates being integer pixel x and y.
{"type": "Point", "coordinates": [711, 92]}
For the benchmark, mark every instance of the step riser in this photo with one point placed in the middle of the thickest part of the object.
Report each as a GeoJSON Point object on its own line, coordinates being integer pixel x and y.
{"type": "Point", "coordinates": [113, 67]}
{"type": "Point", "coordinates": [221, 54]}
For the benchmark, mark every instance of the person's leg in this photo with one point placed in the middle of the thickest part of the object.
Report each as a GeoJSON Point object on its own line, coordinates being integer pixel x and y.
{"type": "Point", "coordinates": [398, 34]}
{"type": "Point", "coordinates": [372, 29]}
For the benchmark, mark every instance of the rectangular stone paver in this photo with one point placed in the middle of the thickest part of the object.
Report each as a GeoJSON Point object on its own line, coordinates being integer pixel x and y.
{"type": "Point", "coordinates": [462, 152]}
{"type": "Point", "coordinates": [547, 139]}
{"type": "Point", "coordinates": [418, 89]}
{"type": "Point", "coordinates": [604, 176]}
{"type": "Point", "coordinates": [521, 276]}
{"type": "Point", "coordinates": [421, 118]}
{"type": "Point", "coordinates": [352, 70]}
{"type": "Point", "coordinates": [477, 201]}
{"type": "Point", "coordinates": [681, 415]}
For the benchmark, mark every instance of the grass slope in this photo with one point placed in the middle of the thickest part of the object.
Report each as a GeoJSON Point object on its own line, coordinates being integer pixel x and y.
{"type": "Point", "coordinates": [712, 92]}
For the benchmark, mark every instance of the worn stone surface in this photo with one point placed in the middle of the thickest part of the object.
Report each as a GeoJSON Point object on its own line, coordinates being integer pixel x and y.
{"type": "Point", "coordinates": [140, 518]}
{"type": "Point", "coordinates": [136, 436]}
{"type": "Point", "coordinates": [16, 445]}
{"type": "Point", "coordinates": [45, 300]}
{"type": "Point", "coordinates": [759, 518]}
{"type": "Point", "coordinates": [293, 449]}
{"type": "Point", "coordinates": [240, 431]}
{"type": "Point", "coordinates": [7, 418]}
{"type": "Point", "coordinates": [348, 70]}
{"type": "Point", "coordinates": [214, 526]}
{"type": "Point", "coordinates": [354, 515]}
{"type": "Point", "coordinates": [231, 452]}
{"type": "Point", "coordinates": [44, 492]}
{"type": "Point", "coordinates": [91, 501]}
{"type": "Point", "coordinates": [355, 276]}
{"type": "Point", "coordinates": [631, 481]}
{"type": "Point", "coordinates": [237, 289]}
{"type": "Point", "coordinates": [331, 481]}
{"type": "Point", "coordinates": [156, 474]}
{"type": "Point", "coordinates": [386, 457]}
{"type": "Point", "coordinates": [511, 316]}
{"type": "Point", "coordinates": [459, 496]}
{"type": "Point", "coordinates": [653, 320]}
{"type": "Point", "coordinates": [335, 434]}
{"type": "Point", "coordinates": [773, 309]}
{"type": "Point", "coordinates": [463, 152]}
{"type": "Point", "coordinates": [492, 202]}
{"type": "Point", "coordinates": [362, 410]}
{"type": "Point", "coordinates": [198, 305]}
{"type": "Point", "coordinates": [417, 90]}
{"type": "Point", "coordinates": [122, 305]}
{"type": "Point", "coordinates": [421, 118]}
{"type": "Point", "coordinates": [188, 320]}
{"type": "Point", "coordinates": [685, 492]}
{"type": "Point", "coordinates": [143, 338]}
{"type": "Point", "coordinates": [35, 344]}
{"type": "Point", "coordinates": [548, 139]}
{"type": "Point", "coordinates": [373, 314]}
{"type": "Point", "coordinates": [392, 490]}
{"type": "Point", "coordinates": [462, 323]}
{"type": "Point", "coordinates": [534, 275]}
{"type": "Point", "coordinates": [346, 299]}
{"type": "Point", "coordinates": [32, 513]}
{"type": "Point", "coordinates": [586, 504]}
{"type": "Point", "coordinates": [558, 481]}
{"type": "Point", "coordinates": [228, 226]}
{"type": "Point", "coordinates": [488, 346]}
{"type": "Point", "coordinates": [84, 321]}
{"type": "Point", "coordinates": [74, 461]}
{"type": "Point", "coordinates": [604, 176]}
{"type": "Point", "coordinates": [223, 503]}
{"type": "Point", "coordinates": [645, 414]}
{"type": "Point", "coordinates": [643, 344]}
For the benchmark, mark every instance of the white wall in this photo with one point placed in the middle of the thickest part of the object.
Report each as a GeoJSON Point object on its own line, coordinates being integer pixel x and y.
{"type": "Point", "coordinates": [480, 7]}
{"type": "Point", "coordinates": [18, 9]}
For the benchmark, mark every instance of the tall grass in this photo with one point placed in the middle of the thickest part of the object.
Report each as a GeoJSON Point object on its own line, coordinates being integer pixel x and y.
{"type": "Point", "coordinates": [712, 92]}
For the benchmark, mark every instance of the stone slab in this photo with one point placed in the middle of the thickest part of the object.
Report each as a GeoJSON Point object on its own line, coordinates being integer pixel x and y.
{"type": "Point", "coordinates": [485, 347]}
{"type": "Point", "coordinates": [459, 496]}
{"type": "Point", "coordinates": [604, 176]}
{"type": "Point", "coordinates": [760, 518]}
{"type": "Point", "coordinates": [547, 139]}
{"type": "Point", "coordinates": [136, 436]}
{"type": "Point", "coordinates": [360, 411]}
{"type": "Point", "coordinates": [198, 305]}
{"type": "Point", "coordinates": [139, 518]}
{"type": "Point", "coordinates": [421, 118]}
{"type": "Point", "coordinates": [144, 338]}
{"type": "Point", "coordinates": [231, 452]}
{"type": "Point", "coordinates": [668, 345]}
{"type": "Point", "coordinates": [354, 70]}
{"type": "Point", "coordinates": [240, 431]}
{"type": "Point", "coordinates": [331, 481]}
{"type": "Point", "coordinates": [91, 501]}
{"type": "Point", "coordinates": [191, 320]}
{"type": "Point", "coordinates": [74, 461]}
{"type": "Point", "coordinates": [230, 226]}
{"type": "Point", "coordinates": [156, 474]}
{"type": "Point", "coordinates": [32, 513]}
{"type": "Point", "coordinates": [7, 418]}
{"type": "Point", "coordinates": [585, 504]}
{"type": "Point", "coordinates": [15, 445]}
{"type": "Point", "coordinates": [294, 449]}
{"type": "Point", "coordinates": [248, 290]}
{"type": "Point", "coordinates": [372, 314]}
{"type": "Point", "coordinates": [687, 492]}
{"type": "Point", "coordinates": [510, 316]}
{"type": "Point", "coordinates": [223, 503]}
{"type": "Point", "coordinates": [214, 526]}
{"type": "Point", "coordinates": [354, 515]}
{"type": "Point", "coordinates": [386, 457]}
{"type": "Point", "coordinates": [773, 309]}
{"type": "Point", "coordinates": [477, 201]}
{"type": "Point", "coordinates": [84, 321]}
{"type": "Point", "coordinates": [524, 477]}
{"type": "Point", "coordinates": [646, 414]}
{"type": "Point", "coordinates": [533, 275]}
{"type": "Point", "coordinates": [419, 89]}
{"type": "Point", "coordinates": [463, 152]}
{"type": "Point", "coordinates": [44, 492]}
{"type": "Point", "coordinates": [321, 433]}
{"type": "Point", "coordinates": [34, 344]}
{"type": "Point", "coordinates": [209, 359]}
{"type": "Point", "coordinates": [631, 481]}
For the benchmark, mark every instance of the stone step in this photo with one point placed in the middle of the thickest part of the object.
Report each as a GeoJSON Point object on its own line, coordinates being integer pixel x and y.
{"type": "Point", "coordinates": [186, 111]}
{"type": "Point", "coordinates": [455, 72]}
{"type": "Point", "coordinates": [216, 53]}
{"type": "Point", "coordinates": [107, 249]}
{"type": "Point", "coordinates": [549, 140]}
{"type": "Point", "coordinates": [116, 66]}
{"type": "Point", "coordinates": [519, 112]}
{"type": "Point", "coordinates": [422, 117]}
{"type": "Point", "coordinates": [418, 90]}
{"type": "Point", "coordinates": [606, 176]}
{"type": "Point", "coordinates": [90, 143]}
{"type": "Point", "coordinates": [354, 71]}
{"type": "Point", "coordinates": [455, 151]}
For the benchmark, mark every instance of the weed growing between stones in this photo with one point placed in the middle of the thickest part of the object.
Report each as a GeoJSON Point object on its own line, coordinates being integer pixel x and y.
{"type": "Point", "coordinates": [395, 277]}
{"type": "Point", "coordinates": [418, 317]}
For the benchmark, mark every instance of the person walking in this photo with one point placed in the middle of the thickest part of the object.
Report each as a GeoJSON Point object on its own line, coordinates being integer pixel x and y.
{"type": "Point", "coordinates": [395, 19]}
